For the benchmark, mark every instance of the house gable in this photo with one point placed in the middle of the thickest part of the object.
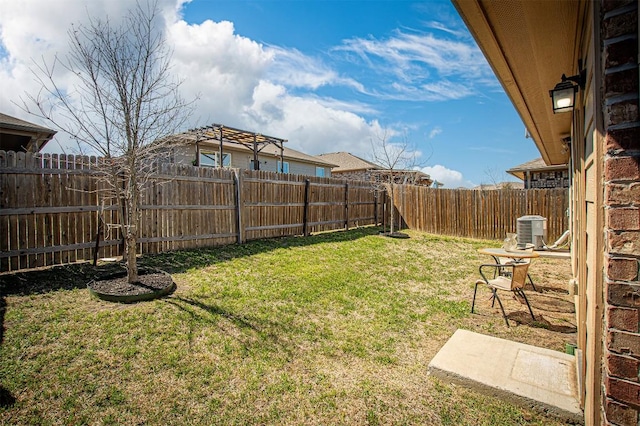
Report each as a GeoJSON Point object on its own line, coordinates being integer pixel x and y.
{"type": "Point", "coordinates": [19, 135]}
{"type": "Point", "coordinates": [535, 174]}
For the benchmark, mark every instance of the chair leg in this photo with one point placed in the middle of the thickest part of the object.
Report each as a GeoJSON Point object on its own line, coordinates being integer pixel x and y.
{"type": "Point", "coordinates": [528, 305]}
{"type": "Point", "coordinates": [474, 297]}
{"type": "Point", "coordinates": [532, 284]}
{"type": "Point", "coordinates": [495, 296]}
{"type": "Point", "coordinates": [475, 290]}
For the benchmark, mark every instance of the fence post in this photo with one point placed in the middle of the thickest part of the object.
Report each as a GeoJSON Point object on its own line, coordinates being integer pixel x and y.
{"type": "Point", "coordinates": [384, 210]}
{"type": "Point", "coordinates": [346, 206]}
{"type": "Point", "coordinates": [238, 178]}
{"type": "Point", "coordinates": [375, 207]}
{"type": "Point", "coordinates": [97, 246]}
{"type": "Point", "coordinates": [305, 212]}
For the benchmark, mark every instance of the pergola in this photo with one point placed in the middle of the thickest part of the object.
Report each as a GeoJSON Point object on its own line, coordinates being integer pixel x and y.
{"type": "Point", "coordinates": [254, 141]}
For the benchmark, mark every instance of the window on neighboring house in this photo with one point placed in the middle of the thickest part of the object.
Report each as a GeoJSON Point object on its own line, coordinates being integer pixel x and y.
{"type": "Point", "coordinates": [283, 167]}
{"type": "Point", "coordinates": [320, 171]}
{"type": "Point", "coordinates": [210, 159]}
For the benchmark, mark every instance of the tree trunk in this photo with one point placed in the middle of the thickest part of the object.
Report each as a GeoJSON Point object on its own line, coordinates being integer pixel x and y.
{"type": "Point", "coordinates": [132, 264]}
{"type": "Point", "coordinates": [131, 227]}
{"type": "Point", "coordinates": [391, 208]}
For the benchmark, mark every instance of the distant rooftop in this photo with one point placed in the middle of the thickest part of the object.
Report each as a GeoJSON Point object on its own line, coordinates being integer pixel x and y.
{"type": "Point", "coordinates": [537, 165]}
{"type": "Point", "coordinates": [242, 140]}
{"type": "Point", "coordinates": [20, 135]}
{"type": "Point", "coordinates": [347, 162]}
{"type": "Point", "coordinates": [500, 185]}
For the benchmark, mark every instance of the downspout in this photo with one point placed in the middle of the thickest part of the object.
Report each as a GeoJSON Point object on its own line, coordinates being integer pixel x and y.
{"type": "Point", "coordinates": [282, 156]}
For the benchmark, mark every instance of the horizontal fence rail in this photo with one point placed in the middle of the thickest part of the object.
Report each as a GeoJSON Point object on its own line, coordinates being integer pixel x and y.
{"type": "Point", "coordinates": [52, 211]}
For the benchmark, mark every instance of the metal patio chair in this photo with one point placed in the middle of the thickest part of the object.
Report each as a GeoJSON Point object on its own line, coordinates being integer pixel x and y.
{"type": "Point", "coordinates": [508, 260]}
{"type": "Point", "coordinates": [515, 283]}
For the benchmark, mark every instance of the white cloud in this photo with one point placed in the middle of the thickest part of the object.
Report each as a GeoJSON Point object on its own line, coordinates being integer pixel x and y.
{"type": "Point", "coordinates": [425, 67]}
{"type": "Point", "coordinates": [441, 27]}
{"type": "Point", "coordinates": [295, 69]}
{"type": "Point", "coordinates": [451, 178]}
{"type": "Point", "coordinates": [245, 84]}
{"type": "Point", "coordinates": [33, 32]}
{"type": "Point", "coordinates": [239, 82]}
{"type": "Point", "coordinates": [219, 66]}
{"type": "Point", "coordinates": [435, 132]}
{"type": "Point", "coordinates": [309, 124]}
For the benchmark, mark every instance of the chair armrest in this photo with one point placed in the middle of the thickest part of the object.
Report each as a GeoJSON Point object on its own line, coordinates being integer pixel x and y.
{"type": "Point", "coordinates": [493, 265]}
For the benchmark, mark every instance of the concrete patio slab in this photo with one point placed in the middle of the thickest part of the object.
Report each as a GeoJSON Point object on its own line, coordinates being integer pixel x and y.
{"type": "Point", "coordinates": [537, 378]}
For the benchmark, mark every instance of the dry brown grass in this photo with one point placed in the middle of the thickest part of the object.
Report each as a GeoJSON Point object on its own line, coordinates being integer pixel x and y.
{"type": "Point", "coordinates": [334, 329]}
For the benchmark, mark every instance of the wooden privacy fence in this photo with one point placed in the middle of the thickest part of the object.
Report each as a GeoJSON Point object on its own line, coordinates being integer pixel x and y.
{"type": "Point", "coordinates": [488, 214]}
{"type": "Point", "coordinates": [51, 210]}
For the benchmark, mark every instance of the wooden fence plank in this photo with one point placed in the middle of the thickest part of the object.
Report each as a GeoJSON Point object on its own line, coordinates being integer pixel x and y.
{"type": "Point", "coordinates": [50, 204]}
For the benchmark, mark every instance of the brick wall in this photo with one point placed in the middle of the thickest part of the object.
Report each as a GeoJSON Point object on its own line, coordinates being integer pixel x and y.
{"type": "Point", "coordinates": [621, 369]}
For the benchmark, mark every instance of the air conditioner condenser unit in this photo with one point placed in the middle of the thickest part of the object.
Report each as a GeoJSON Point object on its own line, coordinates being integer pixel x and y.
{"type": "Point", "coordinates": [532, 230]}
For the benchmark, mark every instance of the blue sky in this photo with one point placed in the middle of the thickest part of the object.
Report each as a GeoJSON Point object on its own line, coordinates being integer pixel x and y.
{"type": "Point", "coordinates": [326, 75]}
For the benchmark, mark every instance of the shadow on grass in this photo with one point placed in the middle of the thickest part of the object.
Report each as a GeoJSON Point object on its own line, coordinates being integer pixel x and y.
{"type": "Point", "coordinates": [550, 303]}
{"type": "Point", "coordinates": [6, 399]}
{"type": "Point", "coordinates": [524, 318]}
{"type": "Point", "coordinates": [76, 276]}
{"type": "Point", "coordinates": [3, 308]}
{"type": "Point", "coordinates": [550, 289]}
{"type": "Point", "coordinates": [260, 328]}
{"type": "Point", "coordinates": [240, 321]}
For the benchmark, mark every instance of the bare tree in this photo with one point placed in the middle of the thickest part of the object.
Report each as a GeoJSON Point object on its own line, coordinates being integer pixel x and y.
{"type": "Point", "coordinates": [497, 179]}
{"type": "Point", "coordinates": [399, 165]}
{"type": "Point", "coordinates": [122, 106]}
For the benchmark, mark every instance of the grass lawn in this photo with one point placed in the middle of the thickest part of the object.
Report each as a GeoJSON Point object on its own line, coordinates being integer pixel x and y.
{"type": "Point", "coordinates": [337, 328]}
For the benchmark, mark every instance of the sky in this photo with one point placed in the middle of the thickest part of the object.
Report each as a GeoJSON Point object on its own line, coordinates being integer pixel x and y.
{"type": "Point", "coordinates": [328, 76]}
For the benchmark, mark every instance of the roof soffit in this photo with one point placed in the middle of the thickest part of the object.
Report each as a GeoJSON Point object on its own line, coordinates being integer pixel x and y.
{"type": "Point", "coordinates": [529, 44]}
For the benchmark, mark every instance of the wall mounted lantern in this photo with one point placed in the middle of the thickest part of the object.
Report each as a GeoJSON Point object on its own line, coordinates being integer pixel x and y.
{"type": "Point", "coordinates": [563, 96]}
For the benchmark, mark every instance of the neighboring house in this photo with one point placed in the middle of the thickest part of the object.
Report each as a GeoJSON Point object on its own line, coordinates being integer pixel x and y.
{"type": "Point", "coordinates": [408, 177]}
{"type": "Point", "coordinates": [351, 167]}
{"type": "Point", "coordinates": [537, 174]}
{"type": "Point", "coordinates": [244, 150]}
{"type": "Point", "coordinates": [19, 135]}
{"type": "Point", "coordinates": [531, 46]}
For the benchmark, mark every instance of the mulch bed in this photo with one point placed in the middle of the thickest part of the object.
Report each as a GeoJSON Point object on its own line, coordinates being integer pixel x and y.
{"type": "Point", "coordinates": [120, 286]}
{"type": "Point", "coordinates": [117, 288]}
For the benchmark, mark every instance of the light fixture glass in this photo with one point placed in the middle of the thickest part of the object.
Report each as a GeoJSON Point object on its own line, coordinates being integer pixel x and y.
{"type": "Point", "coordinates": [563, 96]}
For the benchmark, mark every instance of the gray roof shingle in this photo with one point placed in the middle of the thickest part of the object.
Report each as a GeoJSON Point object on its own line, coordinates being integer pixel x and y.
{"type": "Point", "coordinates": [347, 162]}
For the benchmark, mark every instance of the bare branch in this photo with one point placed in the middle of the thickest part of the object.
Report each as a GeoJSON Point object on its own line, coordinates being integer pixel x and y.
{"type": "Point", "coordinates": [398, 163]}
{"type": "Point", "coordinates": [122, 104]}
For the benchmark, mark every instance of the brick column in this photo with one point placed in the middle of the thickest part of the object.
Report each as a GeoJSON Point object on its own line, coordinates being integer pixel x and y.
{"type": "Point", "coordinates": [621, 369]}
